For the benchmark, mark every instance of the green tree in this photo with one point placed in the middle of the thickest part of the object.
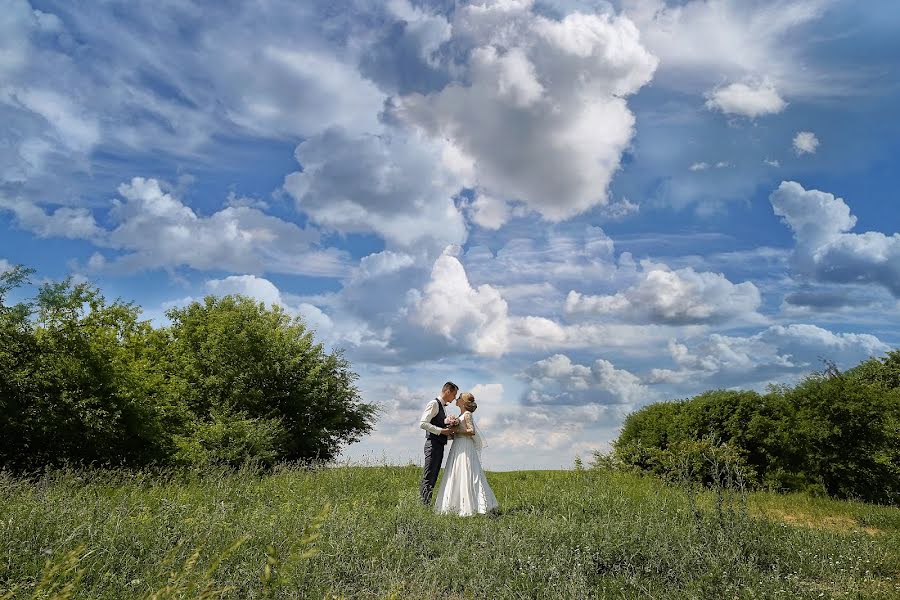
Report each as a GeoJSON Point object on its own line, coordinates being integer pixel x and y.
{"type": "Point", "coordinates": [760, 426]}
{"type": "Point", "coordinates": [71, 392]}
{"type": "Point", "coordinates": [655, 426]}
{"type": "Point", "coordinates": [848, 428]}
{"type": "Point", "coordinates": [242, 369]}
{"type": "Point", "coordinates": [837, 433]}
{"type": "Point", "coordinates": [17, 355]}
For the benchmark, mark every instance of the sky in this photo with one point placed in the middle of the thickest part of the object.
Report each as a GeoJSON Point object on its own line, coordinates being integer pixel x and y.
{"type": "Point", "coordinates": [571, 208]}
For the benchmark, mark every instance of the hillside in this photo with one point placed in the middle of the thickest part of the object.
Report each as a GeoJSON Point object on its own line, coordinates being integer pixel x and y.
{"type": "Point", "coordinates": [359, 532]}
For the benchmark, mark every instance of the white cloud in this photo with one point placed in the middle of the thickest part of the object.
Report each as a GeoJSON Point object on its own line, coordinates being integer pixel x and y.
{"type": "Point", "coordinates": [681, 296]}
{"type": "Point", "coordinates": [258, 288]}
{"type": "Point", "coordinates": [701, 43]}
{"type": "Point", "coordinates": [805, 142]}
{"type": "Point", "coordinates": [74, 128]}
{"type": "Point", "coordinates": [69, 85]}
{"type": "Point", "coordinates": [826, 250]}
{"type": "Point", "coordinates": [265, 291]}
{"type": "Point", "coordinates": [64, 221]}
{"type": "Point", "coordinates": [770, 355]}
{"type": "Point", "coordinates": [474, 319]}
{"type": "Point", "coordinates": [537, 113]}
{"type": "Point", "coordinates": [703, 166]}
{"type": "Point", "coordinates": [155, 229]}
{"type": "Point", "coordinates": [392, 184]}
{"type": "Point", "coordinates": [617, 210]}
{"type": "Point", "coordinates": [772, 162]}
{"type": "Point", "coordinates": [580, 254]}
{"type": "Point", "coordinates": [544, 334]}
{"type": "Point", "coordinates": [746, 99]}
{"type": "Point", "coordinates": [489, 212]}
{"type": "Point", "coordinates": [557, 380]}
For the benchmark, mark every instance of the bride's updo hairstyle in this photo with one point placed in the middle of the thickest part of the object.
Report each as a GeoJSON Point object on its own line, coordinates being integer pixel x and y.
{"type": "Point", "coordinates": [468, 401]}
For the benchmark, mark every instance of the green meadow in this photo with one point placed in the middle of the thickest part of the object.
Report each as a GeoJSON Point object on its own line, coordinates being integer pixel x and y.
{"type": "Point", "coordinates": [359, 532]}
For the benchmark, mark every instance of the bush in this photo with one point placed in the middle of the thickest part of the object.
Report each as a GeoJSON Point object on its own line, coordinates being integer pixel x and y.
{"type": "Point", "coordinates": [87, 381]}
{"type": "Point", "coordinates": [835, 433]}
{"type": "Point", "coordinates": [239, 366]}
{"type": "Point", "coordinates": [702, 461]}
{"type": "Point", "coordinates": [69, 391]}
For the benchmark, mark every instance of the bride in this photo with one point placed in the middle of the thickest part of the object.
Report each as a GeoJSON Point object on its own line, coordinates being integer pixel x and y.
{"type": "Point", "coordinates": [464, 489]}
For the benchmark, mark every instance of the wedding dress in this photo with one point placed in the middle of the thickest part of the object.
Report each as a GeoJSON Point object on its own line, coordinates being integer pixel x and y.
{"type": "Point", "coordinates": [464, 489]}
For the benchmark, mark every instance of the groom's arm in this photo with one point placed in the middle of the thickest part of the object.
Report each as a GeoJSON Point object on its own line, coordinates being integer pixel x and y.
{"type": "Point", "coordinates": [427, 416]}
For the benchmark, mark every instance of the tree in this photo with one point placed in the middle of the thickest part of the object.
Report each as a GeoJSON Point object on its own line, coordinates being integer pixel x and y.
{"type": "Point", "coordinates": [69, 395]}
{"type": "Point", "coordinates": [242, 368]}
{"type": "Point", "coordinates": [86, 381]}
{"type": "Point", "coordinates": [837, 433]}
{"type": "Point", "coordinates": [17, 355]}
{"type": "Point", "coordinates": [849, 433]}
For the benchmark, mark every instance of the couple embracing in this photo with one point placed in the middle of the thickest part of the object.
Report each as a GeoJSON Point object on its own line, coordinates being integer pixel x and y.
{"type": "Point", "coordinates": [464, 489]}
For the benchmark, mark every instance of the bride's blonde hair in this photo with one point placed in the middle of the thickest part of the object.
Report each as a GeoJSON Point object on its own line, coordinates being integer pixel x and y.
{"type": "Point", "coordinates": [468, 401]}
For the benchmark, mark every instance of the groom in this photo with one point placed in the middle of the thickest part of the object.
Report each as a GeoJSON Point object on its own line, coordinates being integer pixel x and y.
{"type": "Point", "coordinates": [436, 436]}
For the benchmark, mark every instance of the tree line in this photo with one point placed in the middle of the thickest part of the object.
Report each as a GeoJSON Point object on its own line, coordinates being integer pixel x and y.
{"type": "Point", "coordinates": [835, 433]}
{"type": "Point", "coordinates": [87, 381]}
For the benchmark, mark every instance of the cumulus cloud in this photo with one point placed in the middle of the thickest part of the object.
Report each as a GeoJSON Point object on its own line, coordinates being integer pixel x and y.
{"type": "Point", "coordinates": [854, 303]}
{"type": "Point", "coordinates": [682, 296]}
{"type": "Point", "coordinates": [489, 212]}
{"type": "Point", "coordinates": [64, 221]}
{"type": "Point", "coordinates": [618, 210]}
{"type": "Point", "coordinates": [404, 57]}
{"type": "Point", "coordinates": [703, 166]}
{"type": "Point", "coordinates": [805, 142]}
{"type": "Point", "coordinates": [826, 250]}
{"type": "Point", "coordinates": [537, 113]}
{"type": "Point", "coordinates": [556, 255]}
{"type": "Point", "coordinates": [476, 318]}
{"type": "Point", "coordinates": [557, 380]}
{"type": "Point", "coordinates": [392, 185]}
{"type": "Point", "coordinates": [746, 99]}
{"type": "Point", "coordinates": [701, 43]}
{"type": "Point", "coordinates": [151, 228]}
{"type": "Point", "coordinates": [265, 291]}
{"type": "Point", "coordinates": [156, 229]}
{"type": "Point", "coordinates": [769, 355]}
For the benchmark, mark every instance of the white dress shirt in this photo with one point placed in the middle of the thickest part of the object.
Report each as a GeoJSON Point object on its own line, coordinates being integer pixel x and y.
{"type": "Point", "coordinates": [430, 411]}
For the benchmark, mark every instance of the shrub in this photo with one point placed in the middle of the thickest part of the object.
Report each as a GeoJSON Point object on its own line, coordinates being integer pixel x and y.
{"type": "Point", "coordinates": [835, 433]}
{"type": "Point", "coordinates": [86, 381]}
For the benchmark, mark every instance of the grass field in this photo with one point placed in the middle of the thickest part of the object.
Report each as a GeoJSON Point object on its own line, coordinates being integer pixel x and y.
{"type": "Point", "coordinates": [359, 532]}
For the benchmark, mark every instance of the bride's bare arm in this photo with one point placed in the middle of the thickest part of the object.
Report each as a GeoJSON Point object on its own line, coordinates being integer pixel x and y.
{"type": "Point", "coordinates": [465, 425]}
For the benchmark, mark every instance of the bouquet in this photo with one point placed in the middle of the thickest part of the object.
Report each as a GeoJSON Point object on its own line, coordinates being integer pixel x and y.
{"type": "Point", "coordinates": [451, 422]}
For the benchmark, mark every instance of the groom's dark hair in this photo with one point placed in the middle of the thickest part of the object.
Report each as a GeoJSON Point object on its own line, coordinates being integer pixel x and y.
{"type": "Point", "coordinates": [450, 386]}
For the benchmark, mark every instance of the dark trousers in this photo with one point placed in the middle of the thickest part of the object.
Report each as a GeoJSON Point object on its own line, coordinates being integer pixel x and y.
{"type": "Point", "coordinates": [434, 454]}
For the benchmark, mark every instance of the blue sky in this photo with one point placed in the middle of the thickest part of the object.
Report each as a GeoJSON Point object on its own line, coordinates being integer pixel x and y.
{"type": "Point", "coordinates": [571, 208]}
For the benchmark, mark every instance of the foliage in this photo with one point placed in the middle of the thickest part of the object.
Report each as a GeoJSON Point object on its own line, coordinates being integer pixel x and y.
{"type": "Point", "coordinates": [561, 534]}
{"type": "Point", "coordinates": [835, 433]}
{"type": "Point", "coordinates": [252, 374]}
{"type": "Point", "coordinates": [849, 424]}
{"type": "Point", "coordinates": [84, 380]}
{"type": "Point", "coordinates": [700, 461]}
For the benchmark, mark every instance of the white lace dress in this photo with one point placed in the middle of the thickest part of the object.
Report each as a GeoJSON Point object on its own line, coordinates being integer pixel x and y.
{"type": "Point", "coordinates": [464, 489]}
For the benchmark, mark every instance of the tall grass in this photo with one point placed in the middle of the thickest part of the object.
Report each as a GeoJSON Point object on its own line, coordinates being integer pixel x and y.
{"type": "Point", "coordinates": [360, 532]}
